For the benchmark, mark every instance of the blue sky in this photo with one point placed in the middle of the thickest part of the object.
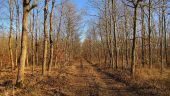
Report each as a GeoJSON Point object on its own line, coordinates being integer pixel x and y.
{"type": "Point", "coordinates": [80, 3]}
{"type": "Point", "coordinates": [83, 4]}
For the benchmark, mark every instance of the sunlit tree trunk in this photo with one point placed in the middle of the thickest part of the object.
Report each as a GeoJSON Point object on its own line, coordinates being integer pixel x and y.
{"type": "Point", "coordinates": [51, 34]}
{"type": "Point", "coordinates": [103, 43]}
{"type": "Point", "coordinates": [24, 38]}
{"type": "Point", "coordinates": [33, 43]}
{"type": "Point", "coordinates": [17, 31]}
{"type": "Point", "coordinates": [126, 34]}
{"type": "Point", "coordinates": [45, 38]}
{"type": "Point", "coordinates": [11, 9]}
{"type": "Point", "coordinates": [114, 32]}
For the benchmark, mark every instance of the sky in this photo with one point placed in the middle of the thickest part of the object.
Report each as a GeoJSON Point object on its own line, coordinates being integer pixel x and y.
{"type": "Point", "coordinates": [80, 3]}
{"type": "Point", "coordinates": [83, 4]}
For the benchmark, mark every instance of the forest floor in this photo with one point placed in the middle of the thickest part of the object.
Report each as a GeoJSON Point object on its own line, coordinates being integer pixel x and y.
{"type": "Point", "coordinates": [80, 80]}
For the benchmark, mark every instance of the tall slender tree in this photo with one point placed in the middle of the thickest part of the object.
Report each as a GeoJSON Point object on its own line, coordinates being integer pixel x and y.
{"type": "Point", "coordinates": [143, 36]}
{"type": "Point", "coordinates": [17, 30]}
{"type": "Point", "coordinates": [33, 43]}
{"type": "Point", "coordinates": [50, 35]}
{"type": "Point", "coordinates": [11, 10]}
{"type": "Point", "coordinates": [114, 32]}
{"type": "Point", "coordinates": [135, 4]}
{"type": "Point", "coordinates": [36, 38]}
{"type": "Point", "coordinates": [149, 29]}
{"type": "Point", "coordinates": [27, 7]}
{"type": "Point", "coordinates": [45, 37]}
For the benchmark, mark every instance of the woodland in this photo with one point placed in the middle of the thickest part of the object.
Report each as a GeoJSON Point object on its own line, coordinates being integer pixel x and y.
{"type": "Point", "coordinates": [105, 48]}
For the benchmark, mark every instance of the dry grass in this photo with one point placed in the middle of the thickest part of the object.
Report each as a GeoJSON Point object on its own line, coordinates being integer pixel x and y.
{"type": "Point", "coordinates": [153, 73]}
{"type": "Point", "coordinates": [154, 77]}
{"type": "Point", "coordinates": [146, 82]}
{"type": "Point", "coordinates": [86, 80]}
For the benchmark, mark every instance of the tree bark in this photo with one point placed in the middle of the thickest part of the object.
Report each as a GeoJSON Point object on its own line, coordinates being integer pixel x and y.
{"type": "Point", "coordinates": [24, 39]}
{"type": "Point", "coordinates": [126, 34]}
{"type": "Point", "coordinates": [17, 31]}
{"type": "Point", "coordinates": [134, 42]}
{"type": "Point", "coordinates": [114, 32]}
{"type": "Point", "coordinates": [36, 39]}
{"type": "Point", "coordinates": [143, 37]}
{"type": "Point", "coordinates": [149, 29]}
{"type": "Point", "coordinates": [33, 43]}
{"type": "Point", "coordinates": [45, 38]}
{"type": "Point", "coordinates": [10, 34]}
{"type": "Point", "coordinates": [50, 34]}
{"type": "Point", "coordinates": [165, 32]}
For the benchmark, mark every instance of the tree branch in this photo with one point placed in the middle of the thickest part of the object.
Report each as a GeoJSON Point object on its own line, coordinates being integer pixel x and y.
{"type": "Point", "coordinates": [128, 4]}
{"type": "Point", "coordinates": [32, 7]}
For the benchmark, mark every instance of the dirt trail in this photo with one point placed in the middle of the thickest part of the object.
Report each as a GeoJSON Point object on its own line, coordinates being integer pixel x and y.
{"type": "Point", "coordinates": [86, 80]}
{"type": "Point", "coordinates": [77, 80]}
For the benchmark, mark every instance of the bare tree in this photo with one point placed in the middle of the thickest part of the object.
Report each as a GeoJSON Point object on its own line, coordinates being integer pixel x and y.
{"type": "Point", "coordinates": [17, 31]}
{"type": "Point", "coordinates": [45, 37]}
{"type": "Point", "coordinates": [149, 29]}
{"type": "Point", "coordinates": [135, 4]}
{"type": "Point", "coordinates": [11, 10]}
{"type": "Point", "coordinates": [36, 38]}
{"type": "Point", "coordinates": [51, 34]}
{"type": "Point", "coordinates": [114, 31]}
{"type": "Point", "coordinates": [27, 7]}
{"type": "Point", "coordinates": [33, 43]}
{"type": "Point", "coordinates": [143, 36]}
{"type": "Point", "coordinates": [164, 7]}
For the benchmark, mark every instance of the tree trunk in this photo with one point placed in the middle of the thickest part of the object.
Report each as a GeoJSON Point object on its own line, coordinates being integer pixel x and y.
{"type": "Point", "coordinates": [17, 31]}
{"type": "Point", "coordinates": [45, 38]}
{"type": "Point", "coordinates": [24, 39]}
{"type": "Point", "coordinates": [21, 66]}
{"type": "Point", "coordinates": [149, 29]}
{"type": "Point", "coordinates": [33, 43]}
{"type": "Point", "coordinates": [10, 34]}
{"type": "Point", "coordinates": [143, 37]}
{"type": "Point", "coordinates": [134, 42]}
{"type": "Point", "coordinates": [51, 33]}
{"type": "Point", "coordinates": [114, 32]}
{"type": "Point", "coordinates": [165, 33]}
{"type": "Point", "coordinates": [126, 34]}
{"type": "Point", "coordinates": [36, 39]}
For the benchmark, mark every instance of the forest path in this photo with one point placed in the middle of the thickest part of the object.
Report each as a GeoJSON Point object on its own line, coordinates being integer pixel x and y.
{"type": "Point", "coordinates": [78, 79]}
{"type": "Point", "coordinates": [87, 80]}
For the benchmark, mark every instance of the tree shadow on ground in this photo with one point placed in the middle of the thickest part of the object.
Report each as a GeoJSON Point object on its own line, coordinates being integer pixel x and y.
{"type": "Point", "coordinates": [145, 90]}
